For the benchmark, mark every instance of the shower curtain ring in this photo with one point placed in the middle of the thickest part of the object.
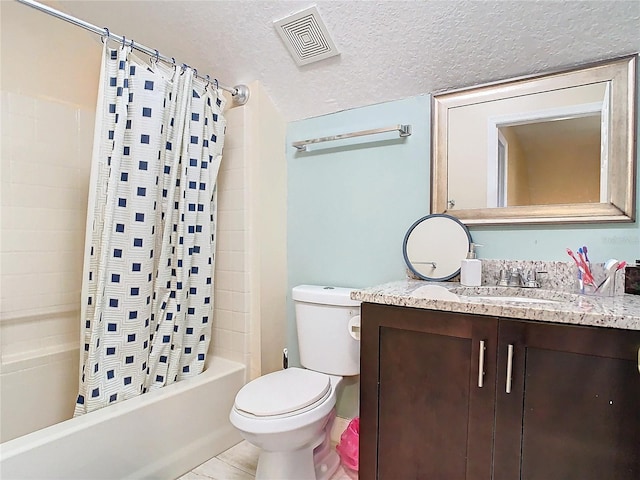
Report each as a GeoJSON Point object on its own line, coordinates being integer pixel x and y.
{"type": "Point", "coordinates": [173, 61]}
{"type": "Point", "coordinates": [208, 79]}
{"type": "Point", "coordinates": [124, 41]}
{"type": "Point", "coordinates": [106, 35]}
{"type": "Point", "coordinates": [195, 72]}
{"type": "Point", "coordinates": [157, 55]}
{"type": "Point", "coordinates": [216, 83]}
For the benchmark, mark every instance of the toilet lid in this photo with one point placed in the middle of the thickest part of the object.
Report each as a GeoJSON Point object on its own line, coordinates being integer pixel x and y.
{"type": "Point", "coordinates": [282, 392]}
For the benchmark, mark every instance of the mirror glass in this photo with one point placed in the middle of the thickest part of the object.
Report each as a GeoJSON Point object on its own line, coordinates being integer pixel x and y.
{"type": "Point", "coordinates": [435, 245]}
{"type": "Point", "coordinates": [556, 147]}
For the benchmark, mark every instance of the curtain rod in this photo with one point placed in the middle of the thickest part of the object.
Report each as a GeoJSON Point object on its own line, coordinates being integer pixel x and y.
{"type": "Point", "coordinates": [240, 93]}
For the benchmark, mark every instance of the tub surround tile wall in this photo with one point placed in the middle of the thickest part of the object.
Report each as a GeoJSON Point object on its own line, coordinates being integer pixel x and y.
{"type": "Point", "coordinates": [47, 105]}
{"type": "Point", "coordinates": [46, 158]}
{"type": "Point", "coordinates": [52, 376]}
{"type": "Point", "coordinates": [25, 339]}
{"type": "Point", "coordinates": [249, 319]}
{"type": "Point", "coordinates": [45, 186]}
{"type": "Point", "coordinates": [231, 285]}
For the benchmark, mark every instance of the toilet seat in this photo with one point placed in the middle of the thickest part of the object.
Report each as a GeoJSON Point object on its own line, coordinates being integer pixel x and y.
{"type": "Point", "coordinates": [283, 393]}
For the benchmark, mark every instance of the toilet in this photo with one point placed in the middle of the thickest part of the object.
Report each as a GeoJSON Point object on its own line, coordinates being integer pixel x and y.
{"type": "Point", "coordinates": [288, 414]}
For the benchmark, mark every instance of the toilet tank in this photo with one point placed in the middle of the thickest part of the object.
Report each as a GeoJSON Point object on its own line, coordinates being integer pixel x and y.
{"type": "Point", "coordinates": [322, 321]}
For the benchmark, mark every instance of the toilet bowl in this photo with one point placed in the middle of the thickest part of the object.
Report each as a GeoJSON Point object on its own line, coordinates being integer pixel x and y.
{"type": "Point", "coordinates": [294, 433]}
{"type": "Point", "coordinates": [288, 414]}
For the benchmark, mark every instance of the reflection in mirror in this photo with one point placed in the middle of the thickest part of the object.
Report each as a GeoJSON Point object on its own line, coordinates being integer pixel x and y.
{"type": "Point", "coordinates": [528, 172]}
{"type": "Point", "coordinates": [435, 245]}
{"type": "Point", "coordinates": [557, 147]}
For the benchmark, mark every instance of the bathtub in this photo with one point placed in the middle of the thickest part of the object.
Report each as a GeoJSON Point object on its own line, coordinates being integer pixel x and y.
{"type": "Point", "coordinates": [162, 434]}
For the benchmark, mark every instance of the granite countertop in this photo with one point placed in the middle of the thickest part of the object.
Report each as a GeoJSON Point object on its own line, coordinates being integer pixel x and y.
{"type": "Point", "coordinates": [620, 311]}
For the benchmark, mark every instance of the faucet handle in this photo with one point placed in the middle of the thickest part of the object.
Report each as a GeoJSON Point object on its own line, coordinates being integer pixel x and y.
{"type": "Point", "coordinates": [530, 279]}
{"type": "Point", "coordinates": [514, 277]}
{"type": "Point", "coordinates": [503, 280]}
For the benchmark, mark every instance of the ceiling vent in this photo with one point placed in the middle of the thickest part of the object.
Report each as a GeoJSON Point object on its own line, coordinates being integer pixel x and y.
{"type": "Point", "coordinates": [306, 36]}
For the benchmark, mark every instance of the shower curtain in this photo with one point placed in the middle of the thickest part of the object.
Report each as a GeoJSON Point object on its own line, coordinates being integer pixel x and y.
{"type": "Point", "coordinates": [150, 247]}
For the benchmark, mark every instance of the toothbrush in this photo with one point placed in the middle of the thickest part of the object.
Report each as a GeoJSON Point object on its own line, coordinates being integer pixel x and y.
{"type": "Point", "coordinates": [586, 257]}
{"type": "Point", "coordinates": [582, 253]}
{"type": "Point", "coordinates": [585, 262]}
{"type": "Point", "coordinates": [581, 256]}
{"type": "Point", "coordinates": [570, 253]}
{"type": "Point", "coordinates": [580, 269]}
{"type": "Point", "coordinates": [588, 278]}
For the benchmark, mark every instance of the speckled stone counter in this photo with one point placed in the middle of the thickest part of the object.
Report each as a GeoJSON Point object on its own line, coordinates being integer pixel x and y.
{"type": "Point", "coordinates": [620, 311]}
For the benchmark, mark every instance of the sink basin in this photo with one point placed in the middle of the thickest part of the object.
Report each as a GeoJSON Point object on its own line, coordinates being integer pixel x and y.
{"type": "Point", "coordinates": [513, 299]}
{"type": "Point", "coordinates": [514, 294]}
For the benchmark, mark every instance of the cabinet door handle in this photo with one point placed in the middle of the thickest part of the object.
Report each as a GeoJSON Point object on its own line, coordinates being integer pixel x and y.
{"type": "Point", "coordinates": [638, 359]}
{"type": "Point", "coordinates": [481, 365]}
{"type": "Point", "coordinates": [509, 368]}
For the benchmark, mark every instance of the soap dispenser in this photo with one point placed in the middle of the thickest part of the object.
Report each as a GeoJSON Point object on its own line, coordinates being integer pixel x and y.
{"type": "Point", "coordinates": [471, 268]}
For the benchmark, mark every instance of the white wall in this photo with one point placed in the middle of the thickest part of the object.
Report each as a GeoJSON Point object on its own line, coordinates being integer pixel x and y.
{"type": "Point", "coordinates": [231, 285]}
{"type": "Point", "coordinates": [250, 298]}
{"type": "Point", "coordinates": [268, 240]}
{"type": "Point", "coordinates": [48, 92]}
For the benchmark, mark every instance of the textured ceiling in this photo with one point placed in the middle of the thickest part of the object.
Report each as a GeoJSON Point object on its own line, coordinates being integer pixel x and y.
{"type": "Point", "coordinates": [389, 49]}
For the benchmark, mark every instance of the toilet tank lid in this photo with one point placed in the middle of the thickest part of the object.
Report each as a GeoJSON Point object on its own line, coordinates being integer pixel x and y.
{"type": "Point", "coordinates": [324, 295]}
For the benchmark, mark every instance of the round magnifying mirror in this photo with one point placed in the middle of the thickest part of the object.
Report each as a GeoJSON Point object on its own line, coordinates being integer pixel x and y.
{"type": "Point", "coordinates": [435, 245]}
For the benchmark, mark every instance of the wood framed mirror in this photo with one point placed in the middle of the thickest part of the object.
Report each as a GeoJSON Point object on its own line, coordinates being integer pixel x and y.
{"type": "Point", "coordinates": [550, 148]}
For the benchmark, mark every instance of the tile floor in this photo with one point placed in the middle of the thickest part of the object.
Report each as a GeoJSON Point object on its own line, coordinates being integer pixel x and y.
{"type": "Point", "coordinates": [238, 463]}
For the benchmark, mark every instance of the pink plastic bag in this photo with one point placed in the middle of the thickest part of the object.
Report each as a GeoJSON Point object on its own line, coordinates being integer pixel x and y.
{"type": "Point", "coordinates": [348, 446]}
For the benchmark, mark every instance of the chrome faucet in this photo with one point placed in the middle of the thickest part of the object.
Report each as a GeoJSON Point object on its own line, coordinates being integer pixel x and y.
{"type": "Point", "coordinates": [517, 278]}
{"type": "Point", "coordinates": [530, 280]}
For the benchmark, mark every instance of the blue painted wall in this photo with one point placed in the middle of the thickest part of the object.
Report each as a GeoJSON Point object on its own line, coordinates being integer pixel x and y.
{"type": "Point", "coordinates": [350, 204]}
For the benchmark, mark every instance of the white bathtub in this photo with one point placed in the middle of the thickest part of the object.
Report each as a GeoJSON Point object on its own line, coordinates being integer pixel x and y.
{"type": "Point", "coordinates": [162, 434]}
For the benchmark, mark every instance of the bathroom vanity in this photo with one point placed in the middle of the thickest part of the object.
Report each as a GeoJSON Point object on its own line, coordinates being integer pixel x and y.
{"type": "Point", "coordinates": [472, 387]}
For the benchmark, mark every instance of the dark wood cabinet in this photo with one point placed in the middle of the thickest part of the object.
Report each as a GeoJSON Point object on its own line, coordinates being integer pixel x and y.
{"type": "Point", "coordinates": [456, 396]}
{"type": "Point", "coordinates": [573, 411]}
{"type": "Point", "coordinates": [422, 414]}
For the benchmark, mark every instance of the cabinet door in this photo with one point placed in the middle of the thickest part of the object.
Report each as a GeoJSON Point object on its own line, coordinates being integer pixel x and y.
{"type": "Point", "coordinates": [573, 411]}
{"type": "Point", "coordinates": [423, 414]}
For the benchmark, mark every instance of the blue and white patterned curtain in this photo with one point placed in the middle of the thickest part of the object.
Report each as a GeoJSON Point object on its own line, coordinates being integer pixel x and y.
{"type": "Point", "coordinates": [150, 248]}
